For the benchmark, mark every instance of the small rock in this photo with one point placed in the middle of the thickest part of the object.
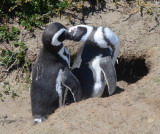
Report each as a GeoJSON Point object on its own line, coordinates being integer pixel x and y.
{"type": "Point", "coordinates": [24, 32]}
{"type": "Point", "coordinates": [4, 116]}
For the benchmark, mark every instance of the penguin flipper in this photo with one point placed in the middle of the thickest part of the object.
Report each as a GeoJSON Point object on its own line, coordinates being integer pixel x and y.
{"type": "Point", "coordinates": [71, 82]}
{"type": "Point", "coordinates": [109, 73]}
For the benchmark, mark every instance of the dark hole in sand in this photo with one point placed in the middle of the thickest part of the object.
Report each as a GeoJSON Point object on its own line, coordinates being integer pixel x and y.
{"type": "Point", "coordinates": [131, 70]}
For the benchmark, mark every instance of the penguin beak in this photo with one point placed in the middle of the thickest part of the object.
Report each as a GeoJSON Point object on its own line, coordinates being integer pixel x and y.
{"type": "Point", "coordinates": [71, 33]}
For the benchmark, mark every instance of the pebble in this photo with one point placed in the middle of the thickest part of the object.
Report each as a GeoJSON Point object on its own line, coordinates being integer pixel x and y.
{"type": "Point", "coordinates": [4, 116]}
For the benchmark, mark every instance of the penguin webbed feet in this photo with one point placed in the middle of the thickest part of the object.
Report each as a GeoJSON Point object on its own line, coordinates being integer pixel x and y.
{"type": "Point", "coordinates": [109, 74]}
{"type": "Point", "coordinates": [38, 119]}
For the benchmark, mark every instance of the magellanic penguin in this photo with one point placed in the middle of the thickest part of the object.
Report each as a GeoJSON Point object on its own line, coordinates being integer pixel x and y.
{"type": "Point", "coordinates": [51, 75]}
{"type": "Point", "coordinates": [94, 64]}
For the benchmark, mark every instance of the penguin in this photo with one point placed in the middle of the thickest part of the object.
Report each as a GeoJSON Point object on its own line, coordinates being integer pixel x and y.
{"type": "Point", "coordinates": [51, 75]}
{"type": "Point", "coordinates": [94, 64]}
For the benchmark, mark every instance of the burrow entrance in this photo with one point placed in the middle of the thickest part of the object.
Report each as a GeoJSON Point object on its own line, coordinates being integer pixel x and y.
{"type": "Point", "coordinates": [131, 70]}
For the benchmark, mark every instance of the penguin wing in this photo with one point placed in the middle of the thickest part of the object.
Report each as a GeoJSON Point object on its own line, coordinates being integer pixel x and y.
{"type": "Point", "coordinates": [72, 83]}
{"type": "Point", "coordinates": [109, 73]}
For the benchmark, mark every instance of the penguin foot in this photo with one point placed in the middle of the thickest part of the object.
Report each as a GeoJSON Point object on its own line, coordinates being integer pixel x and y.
{"type": "Point", "coordinates": [38, 119]}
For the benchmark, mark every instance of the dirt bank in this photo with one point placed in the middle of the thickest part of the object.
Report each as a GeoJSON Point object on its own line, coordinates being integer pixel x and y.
{"type": "Point", "coordinates": [134, 109]}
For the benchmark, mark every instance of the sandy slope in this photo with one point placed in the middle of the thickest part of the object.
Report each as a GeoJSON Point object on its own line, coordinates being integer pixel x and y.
{"type": "Point", "coordinates": [135, 109]}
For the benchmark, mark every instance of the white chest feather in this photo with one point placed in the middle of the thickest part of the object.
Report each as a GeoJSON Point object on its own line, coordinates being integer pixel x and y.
{"type": "Point", "coordinates": [112, 37]}
{"type": "Point", "coordinates": [99, 84]}
{"type": "Point", "coordinates": [89, 30]}
{"type": "Point", "coordinates": [59, 87]}
{"type": "Point", "coordinates": [99, 39]}
{"type": "Point", "coordinates": [61, 53]}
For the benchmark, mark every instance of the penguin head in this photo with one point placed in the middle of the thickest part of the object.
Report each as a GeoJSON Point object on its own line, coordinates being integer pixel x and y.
{"type": "Point", "coordinates": [54, 34]}
{"type": "Point", "coordinates": [79, 33]}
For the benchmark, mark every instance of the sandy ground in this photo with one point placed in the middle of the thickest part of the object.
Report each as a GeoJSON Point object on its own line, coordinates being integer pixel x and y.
{"type": "Point", "coordinates": [133, 109]}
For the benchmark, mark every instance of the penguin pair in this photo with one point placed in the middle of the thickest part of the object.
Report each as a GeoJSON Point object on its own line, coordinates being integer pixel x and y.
{"type": "Point", "coordinates": [92, 68]}
{"type": "Point", "coordinates": [94, 64]}
{"type": "Point", "coordinates": [51, 75]}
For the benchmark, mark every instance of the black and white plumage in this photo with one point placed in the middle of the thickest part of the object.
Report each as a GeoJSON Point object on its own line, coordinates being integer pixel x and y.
{"type": "Point", "coordinates": [51, 75]}
{"type": "Point", "coordinates": [94, 64]}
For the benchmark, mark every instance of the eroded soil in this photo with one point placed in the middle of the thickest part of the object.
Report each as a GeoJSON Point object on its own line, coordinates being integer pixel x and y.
{"type": "Point", "coordinates": [136, 106]}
